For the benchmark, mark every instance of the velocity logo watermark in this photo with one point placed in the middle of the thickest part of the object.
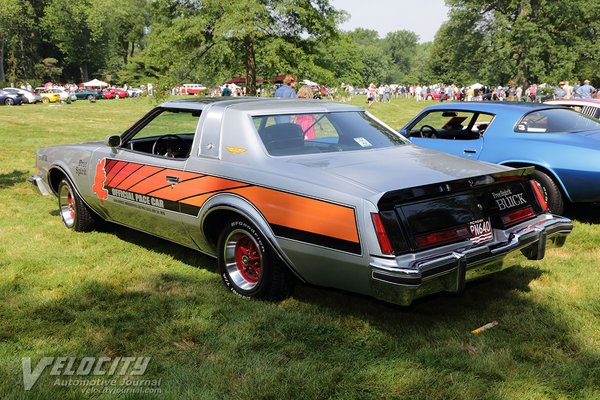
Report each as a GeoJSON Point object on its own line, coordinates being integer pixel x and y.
{"type": "Point", "coordinates": [107, 372]}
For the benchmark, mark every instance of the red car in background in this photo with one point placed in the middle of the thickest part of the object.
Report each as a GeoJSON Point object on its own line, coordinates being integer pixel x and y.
{"type": "Point", "coordinates": [114, 93]}
{"type": "Point", "coordinates": [191, 88]}
{"type": "Point", "coordinates": [120, 93]}
{"type": "Point", "coordinates": [107, 94]}
{"type": "Point", "coordinates": [435, 95]}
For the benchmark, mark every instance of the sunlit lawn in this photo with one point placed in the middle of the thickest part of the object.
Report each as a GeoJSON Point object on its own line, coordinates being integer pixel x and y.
{"type": "Point", "coordinates": [119, 293]}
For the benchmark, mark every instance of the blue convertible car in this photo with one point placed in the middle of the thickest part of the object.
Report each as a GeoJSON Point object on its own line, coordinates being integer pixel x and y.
{"type": "Point", "coordinates": [562, 145]}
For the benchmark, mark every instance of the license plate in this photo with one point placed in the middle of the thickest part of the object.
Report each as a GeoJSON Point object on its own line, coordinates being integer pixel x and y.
{"type": "Point", "coordinates": [481, 231]}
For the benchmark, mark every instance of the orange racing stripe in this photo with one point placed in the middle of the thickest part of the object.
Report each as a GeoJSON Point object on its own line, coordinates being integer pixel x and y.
{"type": "Point", "coordinates": [138, 175]}
{"type": "Point", "coordinates": [194, 187]}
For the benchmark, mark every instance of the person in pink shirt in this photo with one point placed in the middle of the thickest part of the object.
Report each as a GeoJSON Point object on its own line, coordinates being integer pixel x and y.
{"type": "Point", "coordinates": [306, 121]}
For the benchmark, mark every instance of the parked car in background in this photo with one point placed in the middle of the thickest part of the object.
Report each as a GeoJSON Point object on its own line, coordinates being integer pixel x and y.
{"type": "Point", "coordinates": [30, 97]}
{"type": "Point", "coordinates": [589, 107]}
{"type": "Point", "coordinates": [10, 98]}
{"type": "Point", "coordinates": [47, 95]}
{"type": "Point", "coordinates": [191, 88]}
{"type": "Point", "coordinates": [119, 93]}
{"type": "Point", "coordinates": [107, 94]}
{"type": "Point", "coordinates": [65, 96]}
{"type": "Point", "coordinates": [134, 92]}
{"type": "Point", "coordinates": [343, 201]}
{"type": "Point", "coordinates": [87, 94]}
{"type": "Point", "coordinates": [562, 145]}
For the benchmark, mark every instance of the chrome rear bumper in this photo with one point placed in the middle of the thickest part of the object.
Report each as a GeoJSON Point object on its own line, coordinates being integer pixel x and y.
{"type": "Point", "coordinates": [396, 281]}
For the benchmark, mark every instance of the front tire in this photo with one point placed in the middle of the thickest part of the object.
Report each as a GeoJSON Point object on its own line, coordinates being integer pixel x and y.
{"type": "Point", "coordinates": [73, 211]}
{"type": "Point", "coordinates": [45, 100]}
{"type": "Point", "coordinates": [248, 265]}
{"type": "Point", "coordinates": [550, 191]}
{"type": "Point", "coordinates": [9, 102]}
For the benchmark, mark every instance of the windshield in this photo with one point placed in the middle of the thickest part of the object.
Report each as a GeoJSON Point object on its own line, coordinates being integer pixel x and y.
{"type": "Point", "coordinates": [556, 120]}
{"type": "Point", "coordinates": [292, 134]}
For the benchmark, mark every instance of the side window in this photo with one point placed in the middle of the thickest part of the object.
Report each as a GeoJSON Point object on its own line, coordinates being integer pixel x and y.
{"type": "Point", "coordinates": [169, 134]}
{"type": "Point", "coordinates": [535, 122]}
{"type": "Point", "coordinates": [454, 125]}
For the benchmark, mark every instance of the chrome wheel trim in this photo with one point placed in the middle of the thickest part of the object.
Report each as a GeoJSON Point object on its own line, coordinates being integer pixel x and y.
{"type": "Point", "coordinates": [243, 259]}
{"type": "Point", "coordinates": [67, 205]}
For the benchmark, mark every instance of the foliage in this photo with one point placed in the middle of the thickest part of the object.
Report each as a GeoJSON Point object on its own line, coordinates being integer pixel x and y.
{"type": "Point", "coordinates": [48, 69]}
{"type": "Point", "coordinates": [211, 41]}
{"type": "Point", "coordinates": [525, 40]}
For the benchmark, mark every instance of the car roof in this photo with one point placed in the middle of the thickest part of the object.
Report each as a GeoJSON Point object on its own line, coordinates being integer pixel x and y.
{"type": "Point", "coordinates": [583, 102]}
{"type": "Point", "coordinates": [257, 105]}
{"type": "Point", "coordinates": [491, 106]}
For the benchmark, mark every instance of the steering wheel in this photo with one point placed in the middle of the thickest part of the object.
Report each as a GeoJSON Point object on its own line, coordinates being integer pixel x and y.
{"type": "Point", "coordinates": [169, 149]}
{"type": "Point", "coordinates": [432, 134]}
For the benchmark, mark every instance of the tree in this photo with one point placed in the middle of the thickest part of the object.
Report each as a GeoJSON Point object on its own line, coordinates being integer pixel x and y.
{"type": "Point", "coordinates": [525, 40]}
{"type": "Point", "coordinates": [233, 33]}
{"type": "Point", "coordinates": [15, 17]}
{"type": "Point", "coordinates": [78, 28]}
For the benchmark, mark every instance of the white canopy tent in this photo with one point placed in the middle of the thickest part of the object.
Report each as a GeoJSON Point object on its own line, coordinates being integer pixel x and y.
{"type": "Point", "coordinates": [477, 86]}
{"type": "Point", "coordinates": [95, 83]}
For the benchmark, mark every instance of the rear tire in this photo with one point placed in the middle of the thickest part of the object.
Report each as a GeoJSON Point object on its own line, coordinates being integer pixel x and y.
{"type": "Point", "coordinates": [248, 265]}
{"type": "Point", "coordinates": [45, 100]}
{"type": "Point", "coordinates": [73, 211]}
{"type": "Point", "coordinates": [550, 191]}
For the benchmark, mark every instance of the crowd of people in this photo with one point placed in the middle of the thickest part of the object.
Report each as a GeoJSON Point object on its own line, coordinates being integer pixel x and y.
{"type": "Point", "coordinates": [478, 92]}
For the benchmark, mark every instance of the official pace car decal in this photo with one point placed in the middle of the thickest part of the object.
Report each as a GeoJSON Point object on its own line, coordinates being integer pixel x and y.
{"type": "Point", "coordinates": [290, 215]}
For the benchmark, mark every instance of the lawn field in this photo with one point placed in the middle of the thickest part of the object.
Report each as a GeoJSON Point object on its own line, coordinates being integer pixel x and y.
{"type": "Point", "coordinates": [119, 293]}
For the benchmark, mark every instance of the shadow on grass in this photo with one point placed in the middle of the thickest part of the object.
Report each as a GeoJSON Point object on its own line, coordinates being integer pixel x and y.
{"type": "Point", "coordinates": [13, 178]}
{"type": "Point", "coordinates": [152, 243]}
{"type": "Point", "coordinates": [586, 213]}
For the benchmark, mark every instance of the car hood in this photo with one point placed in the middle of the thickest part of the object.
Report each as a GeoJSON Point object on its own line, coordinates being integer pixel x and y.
{"type": "Point", "coordinates": [392, 168]}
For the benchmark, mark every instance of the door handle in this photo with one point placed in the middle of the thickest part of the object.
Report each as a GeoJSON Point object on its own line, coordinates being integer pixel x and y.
{"type": "Point", "coordinates": [172, 180]}
{"type": "Point", "coordinates": [468, 151]}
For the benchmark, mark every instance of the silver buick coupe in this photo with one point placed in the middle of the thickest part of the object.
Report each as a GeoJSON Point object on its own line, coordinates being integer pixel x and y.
{"type": "Point", "coordinates": [286, 190]}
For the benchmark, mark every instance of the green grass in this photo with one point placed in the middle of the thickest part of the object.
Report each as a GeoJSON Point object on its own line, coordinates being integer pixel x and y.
{"type": "Point", "coordinates": [119, 293]}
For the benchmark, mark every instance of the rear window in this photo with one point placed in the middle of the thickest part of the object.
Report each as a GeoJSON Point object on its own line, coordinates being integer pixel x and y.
{"type": "Point", "coordinates": [557, 120]}
{"type": "Point", "coordinates": [293, 134]}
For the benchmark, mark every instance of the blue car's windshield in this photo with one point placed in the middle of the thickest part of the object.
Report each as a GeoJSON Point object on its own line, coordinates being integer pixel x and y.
{"type": "Point", "coordinates": [292, 134]}
{"type": "Point", "coordinates": [556, 120]}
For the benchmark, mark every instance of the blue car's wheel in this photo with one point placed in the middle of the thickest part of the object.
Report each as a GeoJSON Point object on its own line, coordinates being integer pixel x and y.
{"type": "Point", "coordinates": [550, 191]}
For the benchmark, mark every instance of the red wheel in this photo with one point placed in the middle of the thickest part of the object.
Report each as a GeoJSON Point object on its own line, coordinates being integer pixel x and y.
{"type": "Point", "coordinates": [73, 212]}
{"type": "Point", "coordinates": [248, 265]}
{"type": "Point", "coordinates": [243, 259]}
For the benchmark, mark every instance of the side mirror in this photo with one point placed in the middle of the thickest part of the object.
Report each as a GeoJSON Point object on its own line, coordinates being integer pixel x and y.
{"type": "Point", "coordinates": [404, 132]}
{"type": "Point", "coordinates": [113, 141]}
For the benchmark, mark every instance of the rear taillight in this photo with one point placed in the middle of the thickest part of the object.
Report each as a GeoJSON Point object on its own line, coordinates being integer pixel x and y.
{"type": "Point", "coordinates": [384, 241]}
{"type": "Point", "coordinates": [538, 194]}
{"type": "Point", "coordinates": [443, 237]}
{"type": "Point", "coordinates": [517, 216]}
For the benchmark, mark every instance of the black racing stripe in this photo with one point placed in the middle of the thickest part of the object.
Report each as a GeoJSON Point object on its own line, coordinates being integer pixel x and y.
{"type": "Point", "coordinates": [314, 238]}
{"type": "Point", "coordinates": [189, 209]}
{"type": "Point", "coordinates": [142, 180]}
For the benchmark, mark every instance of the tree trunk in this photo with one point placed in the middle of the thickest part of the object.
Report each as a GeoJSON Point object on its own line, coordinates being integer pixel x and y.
{"type": "Point", "coordinates": [250, 66]}
{"type": "Point", "coordinates": [132, 49]}
{"type": "Point", "coordinates": [2, 75]}
{"type": "Point", "coordinates": [83, 71]}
